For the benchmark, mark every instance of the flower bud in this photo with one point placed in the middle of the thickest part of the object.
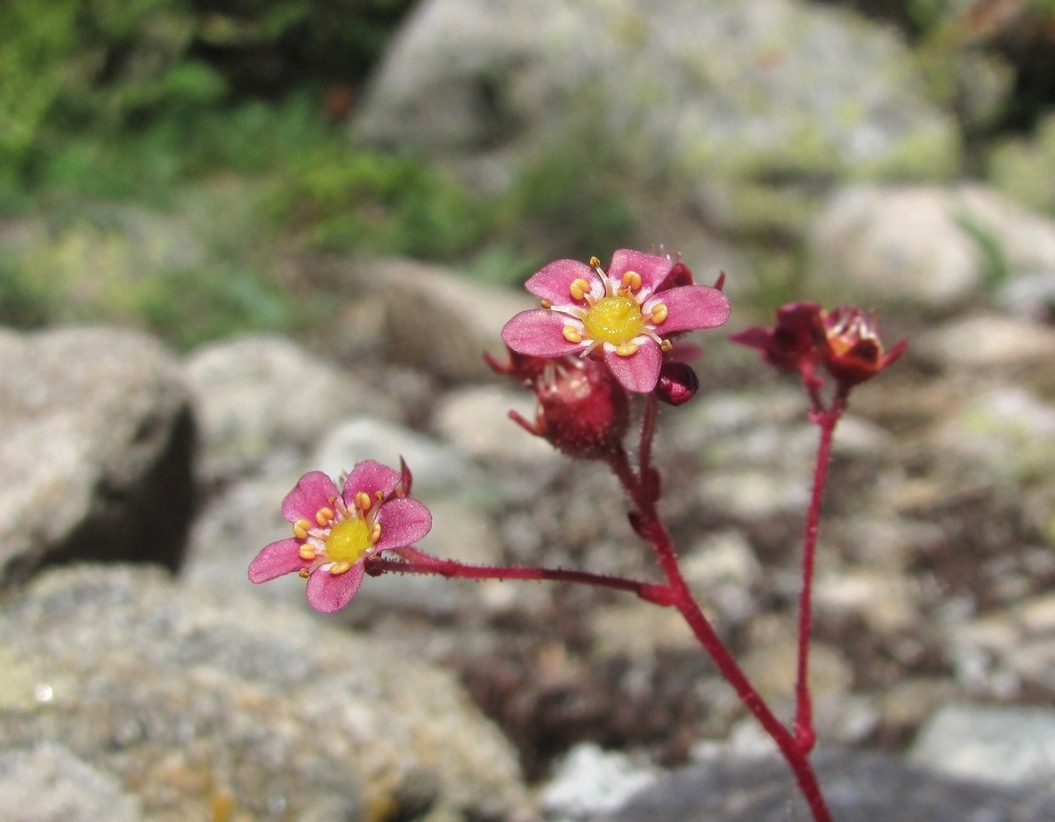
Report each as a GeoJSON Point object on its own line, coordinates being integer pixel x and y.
{"type": "Point", "coordinates": [677, 383]}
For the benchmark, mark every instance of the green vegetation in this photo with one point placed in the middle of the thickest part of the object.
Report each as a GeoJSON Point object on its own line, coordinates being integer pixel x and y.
{"type": "Point", "coordinates": [158, 158]}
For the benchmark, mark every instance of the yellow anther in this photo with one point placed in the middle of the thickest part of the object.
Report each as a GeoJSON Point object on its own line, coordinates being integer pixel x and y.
{"type": "Point", "coordinates": [665, 345]}
{"type": "Point", "coordinates": [340, 567]}
{"type": "Point", "coordinates": [571, 334]}
{"type": "Point", "coordinates": [632, 280]}
{"type": "Point", "coordinates": [362, 501]}
{"type": "Point", "coordinates": [380, 496]}
{"type": "Point", "coordinates": [594, 262]}
{"type": "Point", "coordinates": [324, 516]}
{"type": "Point", "coordinates": [659, 313]}
{"type": "Point", "coordinates": [626, 349]}
{"type": "Point", "coordinates": [375, 532]}
{"type": "Point", "coordinates": [301, 528]}
{"type": "Point", "coordinates": [579, 288]}
{"type": "Point", "coordinates": [304, 573]}
{"type": "Point", "coordinates": [545, 303]}
{"type": "Point", "coordinates": [306, 553]}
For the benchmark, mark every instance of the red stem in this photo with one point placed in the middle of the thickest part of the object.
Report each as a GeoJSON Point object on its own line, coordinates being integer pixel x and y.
{"type": "Point", "coordinates": [650, 527]}
{"type": "Point", "coordinates": [418, 562]}
{"type": "Point", "coordinates": [827, 419]}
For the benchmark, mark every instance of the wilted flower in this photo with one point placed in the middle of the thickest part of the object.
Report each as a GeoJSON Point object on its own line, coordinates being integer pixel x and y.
{"type": "Point", "coordinates": [791, 344]}
{"type": "Point", "coordinates": [624, 315]}
{"type": "Point", "coordinates": [334, 533]}
{"type": "Point", "coordinates": [854, 351]}
{"type": "Point", "coordinates": [845, 341]}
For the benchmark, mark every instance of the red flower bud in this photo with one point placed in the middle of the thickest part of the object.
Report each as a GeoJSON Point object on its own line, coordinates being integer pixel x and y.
{"type": "Point", "coordinates": [677, 383]}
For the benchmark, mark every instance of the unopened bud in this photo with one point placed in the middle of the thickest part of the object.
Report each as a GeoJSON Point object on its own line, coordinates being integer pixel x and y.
{"type": "Point", "coordinates": [677, 383]}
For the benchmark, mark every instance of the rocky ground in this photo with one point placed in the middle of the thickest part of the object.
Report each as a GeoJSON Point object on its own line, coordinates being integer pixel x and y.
{"type": "Point", "coordinates": [144, 675]}
{"type": "Point", "coordinates": [934, 608]}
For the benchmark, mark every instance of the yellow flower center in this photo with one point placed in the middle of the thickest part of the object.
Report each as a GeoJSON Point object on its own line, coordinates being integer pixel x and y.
{"type": "Point", "coordinates": [348, 540]}
{"type": "Point", "coordinates": [615, 319]}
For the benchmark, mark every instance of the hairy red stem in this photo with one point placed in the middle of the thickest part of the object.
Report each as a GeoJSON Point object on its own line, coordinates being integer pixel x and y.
{"type": "Point", "coordinates": [826, 419]}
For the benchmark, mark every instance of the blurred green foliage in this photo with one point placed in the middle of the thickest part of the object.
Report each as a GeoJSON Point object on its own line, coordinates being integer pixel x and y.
{"type": "Point", "coordinates": [155, 106]}
{"type": "Point", "coordinates": [346, 199]}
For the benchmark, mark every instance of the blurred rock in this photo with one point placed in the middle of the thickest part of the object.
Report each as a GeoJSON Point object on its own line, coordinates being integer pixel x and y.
{"type": "Point", "coordinates": [590, 780]}
{"type": "Point", "coordinates": [993, 341]}
{"type": "Point", "coordinates": [859, 787]}
{"type": "Point", "coordinates": [98, 449]}
{"type": "Point", "coordinates": [437, 468]}
{"type": "Point", "coordinates": [476, 420]}
{"type": "Point", "coordinates": [992, 744]}
{"type": "Point", "coordinates": [48, 783]}
{"type": "Point", "coordinates": [925, 246]}
{"type": "Point", "coordinates": [192, 702]}
{"type": "Point", "coordinates": [699, 95]}
{"type": "Point", "coordinates": [442, 323]}
{"type": "Point", "coordinates": [262, 397]}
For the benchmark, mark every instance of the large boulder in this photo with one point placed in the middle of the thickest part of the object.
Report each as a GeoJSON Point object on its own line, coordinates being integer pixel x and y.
{"type": "Point", "coordinates": [936, 247]}
{"type": "Point", "coordinates": [190, 704]}
{"type": "Point", "coordinates": [684, 95]}
{"type": "Point", "coordinates": [97, 449]}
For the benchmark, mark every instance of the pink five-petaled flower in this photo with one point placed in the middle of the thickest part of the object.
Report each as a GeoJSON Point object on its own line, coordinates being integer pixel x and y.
{"type": "Point", "coordinates": [334, 533]}
{"type": "Point", "coordinates": [619, 314]}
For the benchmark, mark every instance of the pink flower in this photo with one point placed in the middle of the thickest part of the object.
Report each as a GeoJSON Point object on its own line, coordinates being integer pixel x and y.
{"type": "Point", "coordinates": [624, 315]}
{"type": "Point", "coordinates": [334, 533]}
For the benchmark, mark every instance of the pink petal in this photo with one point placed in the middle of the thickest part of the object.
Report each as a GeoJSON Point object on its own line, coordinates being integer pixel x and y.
{"type": "Point", "coordinates": [553, 281]}
{"type": "Point", "coordinates": [276, 560]}
{"type": "Point", "coordinates": [313, 491]}
{"type": "Point", "coordinates": [370, 477]}
{"type": "Point", "coordinates": [328, 592]}
{"type": "Point", "coordinates": [539, 333]}
{"type": "Point", "coordinates": [693, 306]}
{"type": "Point", "coordinates": [653, 269]}
{"type": "Point", "coordinates": [403, 522]}
{"type": "Point", "coordinates": [640, 371]}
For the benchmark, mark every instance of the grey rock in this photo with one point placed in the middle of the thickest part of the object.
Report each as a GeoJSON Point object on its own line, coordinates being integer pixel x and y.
{"type": "Point", "coordinates": [441, 323]}
{"type": "Point", "coordinates": [191, 701]}
{"type": "Point", "coordinates": [48, 783]}
{"type": "Point", "coordinates": [476, 420]}
{"type": "Point", "coordinates": [98, 449]}
{"type": "Point", "coordinates": [926, 246]}
{"type": "Point", "coordinates": [996, 744]}
{"type": "Point", "coordinates": [437, 468]}
{"type": "Point", "coordinates": [676, 90]}
{"type": "Point", "coordinates": [987, 340]}
{"type": "Point", "coordinates": [859, 787]}
{"type": "Point", "coordinates": [260, 396]}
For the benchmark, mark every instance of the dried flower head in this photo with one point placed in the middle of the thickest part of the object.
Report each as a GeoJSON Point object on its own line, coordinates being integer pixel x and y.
{"type": "Point", "coordinates": [854, 352]}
